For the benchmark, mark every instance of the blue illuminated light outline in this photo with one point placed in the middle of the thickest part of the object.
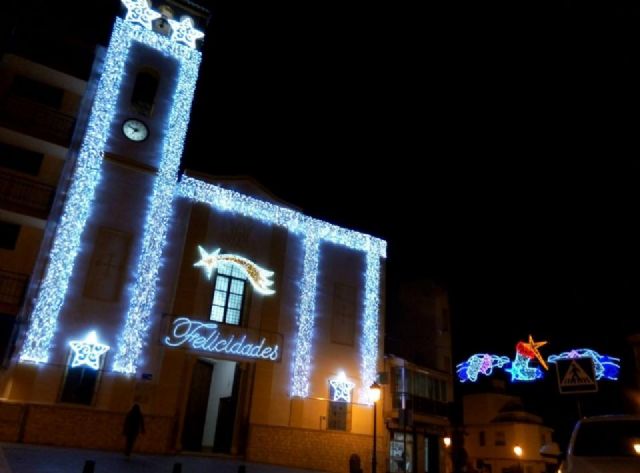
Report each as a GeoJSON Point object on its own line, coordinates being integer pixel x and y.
{"type": "Point", "coordinates": [77, 208]}
{"type": "Point", "coordinates": [314, 232]}
{"type": "Point", "coordinates": [143, 294]}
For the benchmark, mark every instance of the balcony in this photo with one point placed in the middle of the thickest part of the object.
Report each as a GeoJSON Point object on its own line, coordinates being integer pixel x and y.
{"type": "Point", "coordinates": [34, 119]}
{"type": "Point", "coordinates": [12, 290]}
{"type": "Point", "coordinates": [27, 196]}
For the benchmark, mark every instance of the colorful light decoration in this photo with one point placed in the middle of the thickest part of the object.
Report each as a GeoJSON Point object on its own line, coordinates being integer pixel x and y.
{"type": "Point", "coordinates": [342, 388]}
{"type": "Point", "coordinates": [87, 352]}
{"type": "Point", "coordinates": [606, 367]}
{"type": "Point", "coordinates": [313, 232]}
{"type": "Point", "coordinates": [258, 276]}
{"type": "Point", "coordinates": [480, 363]}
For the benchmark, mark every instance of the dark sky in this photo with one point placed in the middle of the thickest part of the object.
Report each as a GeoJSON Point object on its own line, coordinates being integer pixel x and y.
{"type": "Point", "coordinates": [493, 144]}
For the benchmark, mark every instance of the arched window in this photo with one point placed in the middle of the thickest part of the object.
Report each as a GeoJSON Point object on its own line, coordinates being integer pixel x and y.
{"type": "Point", "coordinates": [144, 91]}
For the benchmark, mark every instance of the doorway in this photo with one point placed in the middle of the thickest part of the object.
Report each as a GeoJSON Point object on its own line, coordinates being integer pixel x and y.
{"type": "Point", "coordinates": [210, 416]}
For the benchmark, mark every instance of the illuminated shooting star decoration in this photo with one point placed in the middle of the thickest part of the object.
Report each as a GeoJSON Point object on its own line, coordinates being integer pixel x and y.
{"type": "Point", "coordinates": [87, 352]}
{"type": "Point", "coordinates": [606, 366]}
{"type": "Point", "coordinates": [259, 277]}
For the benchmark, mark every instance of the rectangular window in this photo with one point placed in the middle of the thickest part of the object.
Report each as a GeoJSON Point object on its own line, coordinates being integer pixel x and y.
{"type": "Point", "coordinates": [343, 314]}
{"type": "Point", "coordinates": [80, 383]}
{"type": "Point", "coordinates": [501, 439]}
{"type": "Point", "coordinates": [338, 418]}
{"type": "Point", "coordinates": [228, 295]}
{"type": "Point", "coordinates": [21, 160]}
{"type": "Point", "coordinates": [9, 233]}
{"type": "Point", "coordinates": [481, 438]}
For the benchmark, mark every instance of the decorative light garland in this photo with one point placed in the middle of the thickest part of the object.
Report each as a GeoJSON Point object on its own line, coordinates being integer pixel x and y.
{"type": "Point", "coordinates": [301, 367]}
{"type": "Point", "coordinates": [313, 231]}
{"type": "Point", "coordinates": [521, 371]}
{"type": "Point", "coordinates": [88, 351]}
{"type": "Point", "coordinates": [480, 363]}
{"type": "Point", "coordinates": [143, 294]}
{"type": "Point", "coordinates": [77, 208]}
{"type": "Point", "coordinates": [606, 367]}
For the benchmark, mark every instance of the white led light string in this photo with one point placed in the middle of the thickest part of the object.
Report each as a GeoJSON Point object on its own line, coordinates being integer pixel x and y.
{"type": "Point", "coordinates": [77, 208]}
{"type": "Point", "coordinates": [157, 222]}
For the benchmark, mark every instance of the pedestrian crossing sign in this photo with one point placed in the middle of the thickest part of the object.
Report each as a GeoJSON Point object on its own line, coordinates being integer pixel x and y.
{"type": "Point", "coordinates": [576, 375]}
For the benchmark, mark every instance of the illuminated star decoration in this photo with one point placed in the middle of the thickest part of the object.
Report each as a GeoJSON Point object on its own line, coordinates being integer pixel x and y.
{"type": "Point", "coordinates": [341, 388]}
{"type": "Point", "coordinates": [184, 32]}
{"type": "Point", "coordinates": [138, 12]}
{"type": "Point", "coordinates": [88, 351]}
{"type": "Point", "coordinates": [258, 277]}
{"type": "Point", "coordinates": [208, 261]}
{"type": "Point", "coordinates": [606, 366]}
{"type": "Point", "coordinates": [480, 363]}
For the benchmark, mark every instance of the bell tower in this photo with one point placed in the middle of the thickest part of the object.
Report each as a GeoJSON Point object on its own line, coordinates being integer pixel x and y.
{"type": "Point", "coordinates": [100, 267]}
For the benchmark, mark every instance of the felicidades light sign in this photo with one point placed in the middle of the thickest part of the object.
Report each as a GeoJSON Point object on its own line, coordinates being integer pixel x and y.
{"type": "Point", "coordinates": [212, 338]}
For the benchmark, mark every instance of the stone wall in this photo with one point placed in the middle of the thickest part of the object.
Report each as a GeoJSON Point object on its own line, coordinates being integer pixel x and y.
{"type": "Point", "coordinates": [313, 449]}
{"type": "Point", "coordinates": [80, 427]}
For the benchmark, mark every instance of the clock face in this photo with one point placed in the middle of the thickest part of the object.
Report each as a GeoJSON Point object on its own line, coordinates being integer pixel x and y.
{"type": "Point", "coordinates": [135, 130]}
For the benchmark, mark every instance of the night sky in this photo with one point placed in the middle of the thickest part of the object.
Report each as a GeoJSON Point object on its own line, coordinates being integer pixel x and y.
{"type": "Point", "coordinates": [493, 144]}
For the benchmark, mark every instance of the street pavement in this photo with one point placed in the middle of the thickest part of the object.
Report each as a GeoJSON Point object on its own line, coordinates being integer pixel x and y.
{"type": "Point", "coordinates": [22, 458]}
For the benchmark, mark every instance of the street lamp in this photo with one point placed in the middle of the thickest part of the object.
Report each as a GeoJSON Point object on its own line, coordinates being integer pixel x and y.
{"type": "Point", "coordinates": [374, 397]}
{"type": "Point", "coordinates": [518, 451]}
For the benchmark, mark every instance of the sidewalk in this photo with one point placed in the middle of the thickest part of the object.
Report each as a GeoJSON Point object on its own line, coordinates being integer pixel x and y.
{"type": "Point", "coordinates": [21, 458]}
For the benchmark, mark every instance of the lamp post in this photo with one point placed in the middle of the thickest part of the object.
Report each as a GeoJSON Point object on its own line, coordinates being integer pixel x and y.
{"type": "Point", "coordinates": [374, 397]}
{"type": "Point", "coordinates": [518, 451]}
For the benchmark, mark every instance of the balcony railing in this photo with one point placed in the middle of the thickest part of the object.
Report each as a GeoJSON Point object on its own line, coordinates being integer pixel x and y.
{"type": "Point", "coordinates": [12, 290]}
{"type": "Point", "coordinates": [40, 121]}
{"type": "Point", "coordinates": [20, 194]}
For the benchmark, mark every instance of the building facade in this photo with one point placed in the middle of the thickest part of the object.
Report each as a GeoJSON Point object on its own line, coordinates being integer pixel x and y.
{"type": "Point", "coordinates": [501, 437]}
{"type": "Point", "coordinates": [239, 324]}
{"type": "Point", "coordinates": [419, 380]}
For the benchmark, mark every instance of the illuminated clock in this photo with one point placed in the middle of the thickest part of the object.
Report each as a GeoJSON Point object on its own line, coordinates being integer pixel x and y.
{"type": "Point", "coordinates": [135, 130]}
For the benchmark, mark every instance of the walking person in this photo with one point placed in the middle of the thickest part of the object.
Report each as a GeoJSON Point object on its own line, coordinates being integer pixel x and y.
{"type": "Point", "coordinates": [133, 425]}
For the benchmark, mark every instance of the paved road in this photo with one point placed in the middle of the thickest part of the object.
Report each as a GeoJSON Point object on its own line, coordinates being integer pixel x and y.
{"type": "Point", "coordinates": [19, 458]}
